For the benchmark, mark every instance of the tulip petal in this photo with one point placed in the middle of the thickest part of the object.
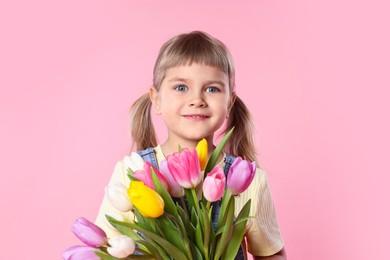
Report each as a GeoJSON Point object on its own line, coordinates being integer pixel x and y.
{"type": "Point", "coordinates": [202, 151]}
{"type": "Point", "coordinates": [175, 190]}
{"type": "Point", "coordinates": [117, 195]}
{"type": "Point", "coordinates": [214, 184]}
{"type": "Point", "coordinates": [80, 253]}
{"type": "Point", "coordinates": [134, 162]}
{"type": "Point", "coordinates": [89, 233]}
{"type": "Point", "coordinates": [121, 246]}
{"type": "Point", "coordinates": [147, 201]}
{"type": "Point", "coordinates": [240, 176]}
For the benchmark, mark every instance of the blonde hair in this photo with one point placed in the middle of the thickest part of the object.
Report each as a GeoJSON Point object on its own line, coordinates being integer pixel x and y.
{"type": "Point", "coordinates": [186, 49]}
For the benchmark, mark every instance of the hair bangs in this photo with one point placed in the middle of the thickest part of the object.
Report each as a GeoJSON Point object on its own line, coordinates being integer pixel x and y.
{"type": "Point", "coordinates": [195, 47]}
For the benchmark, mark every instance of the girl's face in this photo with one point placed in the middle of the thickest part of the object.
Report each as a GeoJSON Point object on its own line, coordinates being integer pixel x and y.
{"type": "Point", "coordinates": [194, 101]}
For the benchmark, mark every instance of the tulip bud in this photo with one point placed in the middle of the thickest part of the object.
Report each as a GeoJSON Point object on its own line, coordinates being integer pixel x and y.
{"type": "Point", "coordinates": [147, 201]}
{"type": "Point", "coordinates": [214, 184]}
{"type": "Point", "coordinates": [80, 253]}
{"type": "Point", "coordinates": [202, 151]}
{"type": "Point", "coordinates": [134, 162]}
{"type": "Point", "coordinates": [121, 246]}
{"type": "Point", "coordinates": [145, 176]}
{"type": "Point", "coordinates": [117, 195]}
{"type": "Point", "coordinates": [240, 175]}
{"type": "Point", "coordinates": [89, 233]}
{"type": "Point", "coordinates": [175, 190]}
{"type": "Point", "coordinates": [184, 167]}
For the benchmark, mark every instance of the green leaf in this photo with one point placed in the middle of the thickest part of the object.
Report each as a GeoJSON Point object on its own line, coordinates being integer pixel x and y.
{"type": "Point", "coordinates": [123, 227]}
{"type": "Point", "coordinates": [217, 152]}
{"type": "Point", "coordinates": [166, 245]}
{"type": "Point", "coordinates": [207, 227]}
{"type": "Point", "coordinates": [130, 229]}
{"type": "Point", "coordinates": [238, 232]}
{"type": "Point", "coordinates": [186, 220]}
{"type": "Point", "coordinates": [199, 238]}
{"type": "Point", "coordinates": [225, 200]}
{"type": "Point", "coordinates": [169, 205]}
{"type": "Point", "coordinates": [173, 235]}
{"type": "Point", "coordinates": [227, 230]}
{"type": "Point", "coordinates": [196, 254]}
{"type": "Point", "coordinates": [190, 199]}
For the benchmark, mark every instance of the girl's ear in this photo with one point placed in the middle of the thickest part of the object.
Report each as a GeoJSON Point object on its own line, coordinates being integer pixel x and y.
{"type": "Point", "coordinates": [232, 100]}
{"type": "Point", "coordinates": [153, 95]}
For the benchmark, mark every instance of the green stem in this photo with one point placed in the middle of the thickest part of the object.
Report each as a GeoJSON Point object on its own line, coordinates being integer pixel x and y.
{"type": "Point", "coordinates": [208, 205]}
{"type": "Point", "coordinates": [195, 198]}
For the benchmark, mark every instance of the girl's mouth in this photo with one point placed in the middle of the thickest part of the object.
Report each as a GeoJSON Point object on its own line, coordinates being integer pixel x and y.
{"type": "Point", "coordinates": [196, 116]}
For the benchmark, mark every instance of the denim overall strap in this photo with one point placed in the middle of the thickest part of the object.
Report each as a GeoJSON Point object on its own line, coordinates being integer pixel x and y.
{"type": "Point", "coordinates": [229, 159]}
{"type": "Point", "coordinates": [148, 155]}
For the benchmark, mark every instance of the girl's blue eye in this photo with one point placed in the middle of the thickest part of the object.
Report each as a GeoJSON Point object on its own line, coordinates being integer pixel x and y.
{"type": "Point", "coordinates": [212, 89]}
{"type": "Point", "coordinates": [181, 87]}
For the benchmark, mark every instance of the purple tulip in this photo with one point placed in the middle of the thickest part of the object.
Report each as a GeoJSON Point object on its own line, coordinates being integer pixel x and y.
{"type": "Point", "coordinates": [175, 190]}
{"type": "Point", "coordinates": [240, 175]}
{"type": "Point", "coordinates": [89, 233]}
{"type": "Point", "coordinates": [184, 167]}
{"type": "Point", "coordinates": [145, 176]}
{"type": "Point", "coordinates": [214, 184]}
{"type": "Point", "coordinates": [80, 253]}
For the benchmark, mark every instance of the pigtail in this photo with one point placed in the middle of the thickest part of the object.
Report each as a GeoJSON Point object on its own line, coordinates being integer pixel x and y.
{"type": "Point", "coordinates": [241, 143]}
{"type": "Point", "coordinates": [141, 124]}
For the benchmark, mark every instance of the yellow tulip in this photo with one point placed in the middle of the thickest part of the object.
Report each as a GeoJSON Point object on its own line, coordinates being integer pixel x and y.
{"type": "Point", "coordinates": [202, 149]}
{"type": "Point", "coordinates": [147, 201]}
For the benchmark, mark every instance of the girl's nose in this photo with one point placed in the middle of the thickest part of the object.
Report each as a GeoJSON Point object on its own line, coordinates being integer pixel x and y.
{"type": "Point", "coordinates": [197, 100]}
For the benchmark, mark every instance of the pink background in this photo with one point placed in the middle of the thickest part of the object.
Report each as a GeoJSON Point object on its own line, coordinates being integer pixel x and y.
{"type": "Point", "coordinates": [314, 73]}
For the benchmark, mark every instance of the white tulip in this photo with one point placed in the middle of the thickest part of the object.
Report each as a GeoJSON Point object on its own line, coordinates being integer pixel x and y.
{"type": "Point", "coordinates": [121, 246]}
{"type": "Point", "coordinates": [134, 162]}
{"type": "Point", "coordinates": [117, 195]}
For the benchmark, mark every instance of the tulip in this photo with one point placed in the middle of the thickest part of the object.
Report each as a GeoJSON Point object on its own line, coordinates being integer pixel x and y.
{"type": "Point", "coordinates": [184, 167]}
{"type": "Point", "coordinates": [214, 184]}
{"type": "Point", "coordinates": [147, 201]}
{"type": "Point", "coordinates": [134, 162]}
{"type": "Point", "coordinates": [117, 195]}
{"type": "Point", "coordinates": [175, 190]}
{"type": "Point", "coordinates": [121, 246]}
{"type": "Point", "coordinates": [202, 150]}
{"type": "Point", "coordinates": [89, 233]}
{"type": "Point", "coordinates": [145, 176]}
{"type": "Point", "coordinates": [240, 175]}
{"type": "Point", "coordinates": [80, 253]}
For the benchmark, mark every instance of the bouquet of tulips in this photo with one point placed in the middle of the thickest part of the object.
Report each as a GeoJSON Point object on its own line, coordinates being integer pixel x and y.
{"type": "Point", "coordinates": [173, 207]}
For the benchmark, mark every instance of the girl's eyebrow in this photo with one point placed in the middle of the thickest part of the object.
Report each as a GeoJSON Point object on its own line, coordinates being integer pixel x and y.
{"type": "Point", "coordinates": [210, 82]}
{"type": "Point", "coordinates": [175, 79]}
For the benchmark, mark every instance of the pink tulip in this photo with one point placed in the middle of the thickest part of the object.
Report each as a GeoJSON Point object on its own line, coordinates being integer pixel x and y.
{"type": "Point", "coordinates": [89, 233]}
{"type": "Point", "coordinates": [175, 190]}
{"type": "Point", "coordinates": [214, 184]}
{"type": "Point", "coordinates": [145, 176]}
{"type": "Point", "coordinates": [184, 167]}
{"type": "Point", "coordinates": [240, 175]}
{"type": "Point", "coordinates": [80, 253]}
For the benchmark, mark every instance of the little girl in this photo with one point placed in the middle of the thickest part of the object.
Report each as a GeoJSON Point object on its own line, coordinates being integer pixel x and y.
{"type": "Point", "coordinates": [194, 92]}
